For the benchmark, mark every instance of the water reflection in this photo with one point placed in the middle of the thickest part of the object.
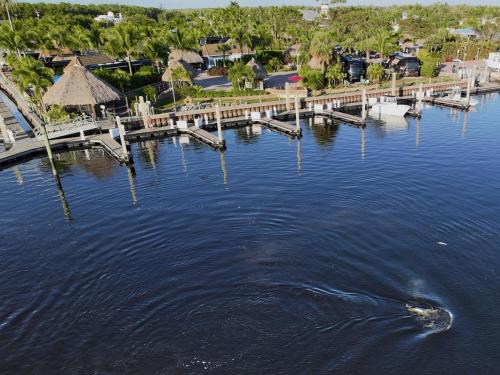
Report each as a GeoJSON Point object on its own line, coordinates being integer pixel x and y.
{"type": "Point", "coordinates": [148, 153]}
{"type": "Point", "coordinates": [95, 162]}
{"type": "Point", "coordinates": [391, 124]}
{"type": "Point", "coordinates": [62, 197]}
{"type": "Point", "coordinates": [325, 133]}
{"type": "Point", "coordinates": [17, 173]}
{"type": "Point", "coordinates": [248, 134]}
{"type": "Point", "coordinates": [299, 156]}
{"type": "Point", "coordinates": [363, 143]}
{"type": "Point", "coordinates": [131, 181]}
{"type": "Point", "coordinates": [223, 166]}
{"type": "Point", "coordinates": [464, 125]}
{"type": "Point", "coordinates": [417, 133]}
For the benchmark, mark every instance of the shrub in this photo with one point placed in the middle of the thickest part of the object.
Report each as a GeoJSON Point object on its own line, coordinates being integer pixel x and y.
{"type": "Point", "coordinates": [217, 71]}
{"type": "Point", "coordinates": [375, 73]}
{"type": "Point", "coordinates": [313, 79]}
{"type": "Point", "coordinates": [57, 113]}
{"type": "Point", "coordinates": [429, 66]}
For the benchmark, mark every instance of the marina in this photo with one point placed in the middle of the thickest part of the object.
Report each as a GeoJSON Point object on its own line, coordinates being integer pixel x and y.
{"type": "Point", "coordinates": [367, 208]}
{"type": "Point", "coordinates": [249, 188]}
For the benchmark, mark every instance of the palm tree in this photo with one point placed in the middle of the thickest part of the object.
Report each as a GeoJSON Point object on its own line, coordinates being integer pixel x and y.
{"type": "Point", "coordinates": [334, 74]}
{"type": "Point", "coordinates": [8, 4]}
{"type": "Point", "coordinates": [123, 41]}
{"type": "Point", "coordinates": [157, 49]}
{"type": "Point", "coordinates": [31, 73]}
{"type": "Point", "coordinates": [12, 40]}
{"type": "Point", "coordinates": [321, 48]}
{"type": "Point", "coordinates": [224, 48]}
{"type": "Point", "coordinates": [240, 37]}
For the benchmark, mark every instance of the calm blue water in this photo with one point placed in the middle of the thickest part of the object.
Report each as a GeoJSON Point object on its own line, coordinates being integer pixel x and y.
{"type": "Point", "coordinates": [276, 257]}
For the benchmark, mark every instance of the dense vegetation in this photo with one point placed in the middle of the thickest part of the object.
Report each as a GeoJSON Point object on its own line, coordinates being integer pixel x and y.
{"type": "Point", "coordinates": [271, 31]}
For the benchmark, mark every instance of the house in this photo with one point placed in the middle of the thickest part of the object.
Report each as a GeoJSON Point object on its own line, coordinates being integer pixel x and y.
{"type": "Point", "coordinates": [309, 15]}
{"type": "Point", "coordinates": [109, 18]}
{"type": "Point", "coordinates": [193, 58]}
{"type": "Point", "coordinates": [466, 32]}
{"type": "Point", "coordinates": [214, 56]}
{"type": "Point", "coordinates": [90, 61]}
{"type": "Point", "coordinates": [410, 47]}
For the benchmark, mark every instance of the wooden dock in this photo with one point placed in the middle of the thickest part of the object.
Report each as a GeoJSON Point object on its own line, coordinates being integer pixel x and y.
{"type": "Point", "coordinates": [30, 147]}
{"type": "Point", "coordinates": [205, 137]}
{"type": "Point", "coordinates": [341, 116]}
{"type": "Point", "coordinates": [282, 127]}
{"type": "Point", "coordinates": [446, 102]}
{"type": "Point", "coordinates": [11, 123]}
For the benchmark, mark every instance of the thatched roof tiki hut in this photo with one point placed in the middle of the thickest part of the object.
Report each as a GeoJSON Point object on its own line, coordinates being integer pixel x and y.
{"type": "Point", "coordinates": [260, 73]}
{"type": "Point", "coordinates": [180, 72]}
{"type": "Point", "coordinates": [81, 91]}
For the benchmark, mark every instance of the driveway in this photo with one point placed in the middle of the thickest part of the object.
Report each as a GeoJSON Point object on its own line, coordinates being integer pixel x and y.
{"type": "Point", "coordinates": [274, 80]}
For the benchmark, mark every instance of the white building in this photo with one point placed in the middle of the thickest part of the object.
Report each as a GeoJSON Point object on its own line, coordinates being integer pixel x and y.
{"type": "Point", "coordinates": [109, 18]}
{"type": "Point", "coordinates": [493, 61]}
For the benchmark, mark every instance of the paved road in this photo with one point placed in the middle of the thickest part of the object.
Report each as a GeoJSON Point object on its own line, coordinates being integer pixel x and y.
{"type": "Point", "coordinates": [275, 80]}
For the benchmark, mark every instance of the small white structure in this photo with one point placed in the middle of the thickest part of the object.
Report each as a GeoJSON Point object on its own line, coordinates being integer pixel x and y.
{"type": "Point", "coordinates": [388, 105]}
{"type": "Point", "coordinates": [109, 18]}
{"type": "Point", "coordinates": [493, 61]}
{"type": "Point", "coordinates": [456, 95]}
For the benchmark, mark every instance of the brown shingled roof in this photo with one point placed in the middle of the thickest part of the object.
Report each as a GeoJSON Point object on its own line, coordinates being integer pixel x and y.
{"type": "Point", "coordinates": [213, 49]}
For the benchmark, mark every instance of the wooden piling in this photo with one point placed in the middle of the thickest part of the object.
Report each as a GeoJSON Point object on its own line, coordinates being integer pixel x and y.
{"type": "Point", "coordinates": [393, 85]}
{"type": "Point", "coordinates": [363, 104]}
{"type": "Point", "coordinates": [219, 126]}
{"type": "Point", "coordinates": [3, 129]}
{"type": "Point", "coordinates": [297, 113]}
{"type": "Point", "coordinates": [121, 130]}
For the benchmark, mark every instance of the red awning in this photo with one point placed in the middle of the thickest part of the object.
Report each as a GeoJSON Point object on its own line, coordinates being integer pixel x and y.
{"type": "Point", "coordinates": [295, 78]}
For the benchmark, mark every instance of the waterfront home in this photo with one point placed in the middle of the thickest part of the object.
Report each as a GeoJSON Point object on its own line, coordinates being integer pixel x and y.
{"type": "Point", "coordinates": [214, 56]}
{"type": "Point", "coordinates": [260, 73]}
{"type": "Point", "coordinates": [79, 90]}
{"type": "Point", "coordinates": [193, 58]}
{"type": "Point", "coordinates": [493, 61]}
{"type": "Point", "coordinates": [109, 18]}
{"type": "Point", "coordinates": [466, 32]}
{"type": "Point", "coordinates": [90, 60]}
{"type": "Point", "coordinates": [411, 47]}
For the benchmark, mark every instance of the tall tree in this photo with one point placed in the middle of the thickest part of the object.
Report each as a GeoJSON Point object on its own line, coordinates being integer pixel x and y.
{"type": "Point", "coordinates": [322, 49]}
{"type": "Point", "coordinates": [8, 4]}
{"type": "Point", "coordinates": [123, 41]}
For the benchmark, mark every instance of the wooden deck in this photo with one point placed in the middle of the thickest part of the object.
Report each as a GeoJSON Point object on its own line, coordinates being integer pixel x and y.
{"type": "Point", "coordinates": [11, 122]}
{"type": "Point", "coordinates": [446, 103]}
{"type": "Point", "coordinates": [280, 126]}
{"type": "Point", "coordinates": [341, 116]}
{"type": "Point", "coordinates": [30, 147]}
{"type": "Point", "coordinates": [205, 137]}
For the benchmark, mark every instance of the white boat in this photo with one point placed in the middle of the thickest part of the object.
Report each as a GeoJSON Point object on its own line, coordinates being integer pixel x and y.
{"type": "Point", "coordinates": [388, 105]}
{"type": "Point", "coordinates": [456, 95]}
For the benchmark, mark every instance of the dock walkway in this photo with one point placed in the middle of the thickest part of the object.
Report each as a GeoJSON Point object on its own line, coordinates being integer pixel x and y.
{"type": "Point", "coordinates": [11, 123]}
{"type": "Point", "coordinates": [30, 147]}
{"type": "Point", "coordinates": [341, 116]}
{"type": "Point", "coordinates": [446, 102]}
{"type": "Point", "coordinates": [280, 126]}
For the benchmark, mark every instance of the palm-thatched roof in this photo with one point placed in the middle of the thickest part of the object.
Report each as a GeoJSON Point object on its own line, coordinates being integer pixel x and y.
{"type": "Point", "coordinates": [175, 64]}
{"type": "Point", "coordinates": [189, 56]}
{"type": "Point", "coordinates": [79, 87]}
{"type": "Point", "coordinates": [258, 68]}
